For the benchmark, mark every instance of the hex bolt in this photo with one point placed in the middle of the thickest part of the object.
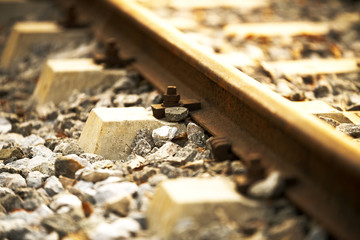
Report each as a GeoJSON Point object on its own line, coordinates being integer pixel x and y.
{"type": "Point", "coordinates": [171, 90]}
{"type": "Point", "coordinates": [171, 98]}
{"type": "Point", "coordinates": [111, 53]}
{"type": "Point", "coordinates": [255, 169]}
{"type": "Point", "coordinates": [111, 57]}
{"type": "Point", "coordinates": [71, 19]}
{"type": "Point", "coordinates": [221, 148]}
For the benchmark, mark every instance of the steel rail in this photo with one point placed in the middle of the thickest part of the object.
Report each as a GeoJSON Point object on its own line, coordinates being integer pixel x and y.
{"type": "Point", "coordinates": [325, 164]}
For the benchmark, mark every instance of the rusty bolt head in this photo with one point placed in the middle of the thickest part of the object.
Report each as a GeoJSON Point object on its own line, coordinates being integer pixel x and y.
{"type": "Point", "coordinates": [158, 111]}
{"type": "Point", "coordinates": [221, 148]}
{"type": "Point", "coordinates": [255, 169]}
{"type": "Point", "coordinates": [171, 98]}
{"type": "Point", "coordinates": [110, 42]}
{"type": "Point", "coordinates": [171, 90]}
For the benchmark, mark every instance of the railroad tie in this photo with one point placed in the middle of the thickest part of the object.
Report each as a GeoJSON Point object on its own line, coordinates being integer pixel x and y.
{"type": "Point", "coordinates": [28, 37]}
{"type": "Point", "coordinates": [60, 77]}
{"type": "Point", "coordinates": [109, 131]}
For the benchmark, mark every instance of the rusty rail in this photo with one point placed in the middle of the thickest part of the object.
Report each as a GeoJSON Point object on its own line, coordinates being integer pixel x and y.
{"type": "Point", "coordinates": [325, 164]}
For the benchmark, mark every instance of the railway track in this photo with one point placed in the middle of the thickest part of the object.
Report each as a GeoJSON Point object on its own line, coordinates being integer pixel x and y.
{"type": "Point", "coordinates": [237, 107]}
{"type": "Point", "coordinates": [322, 165]}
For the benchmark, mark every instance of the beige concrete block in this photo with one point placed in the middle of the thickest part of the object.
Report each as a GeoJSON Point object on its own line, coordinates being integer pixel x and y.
{"type": "Point", "coordinates": [200, 199]}
{"type": "Point", "coordinates": [12, 9]}
{"type": "Point", "coordinates": [25, 35]}
{"type": "Point", "coordinates": [60, 77]}
{"type": "Point", "coordinates": [109, 131]}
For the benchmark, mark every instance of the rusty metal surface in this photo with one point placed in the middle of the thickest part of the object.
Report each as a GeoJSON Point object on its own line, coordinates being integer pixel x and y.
{"type": "Point", "coordinates": [254, 119]}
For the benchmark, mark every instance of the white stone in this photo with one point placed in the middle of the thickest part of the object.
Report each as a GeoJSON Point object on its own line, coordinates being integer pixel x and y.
{"type": "Point", "coordinates": [65, 199]}
{"type": "Point", "coordinates": [53, 186]}
{"type": "Point", "coordinates": [3, 176]}
{"type": "Point", "coordinates": [41, 164]}
{"type": "Point", "coordinates": [35, 179]}
{"type": "Point", "coordinates": [31, 140]}
{"type": "Point", "coordinates": [14, 181]}
{"type": "Point", "coordinates": [95, 176]}
{"type": "Point", "coordinates": [20, 164]}
{"type": "Point", "coordinates": [5, 125]}
{"type": "Point", "coordinates": [128, 224]}
{"type": "Point", "coordinates": [108, 191]}
{"type": "Point", "coordinates": [106, 231]}
{"type": "Point", "coordinates": [41, 150]}
{"type": "Point", "coordinates": [269, 187]}
{"type": "Point", "coordinates": [169, 149]}
{"type": "Point", "coordinates": [109, 131]}
{"type": "Point", "coordinates": [119, 204]}
{"type": "Point", "coordinates": [163, 134]}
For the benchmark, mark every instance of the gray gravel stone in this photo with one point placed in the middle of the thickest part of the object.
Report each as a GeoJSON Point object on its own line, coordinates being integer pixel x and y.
{"type": "Point", "coordinates": [3, 176]}
{"type": "Point", "coordinates": [91, 157]}
{"type": "Point", "coordinates": [42, 151]}
{"type": "Point", "coordinates": [142, 147]}
{"type": "Point", "coordinates": [131, 100]}
{"type": "Point", "coordinates": [349, 129]}
{"type": "Point", "coordinates": [13, 228]}
{"type": "Point", "coordinates": [10, 138]}
{"type": "Point", "coordinates": [176, 114]}
{"type": "Point", "coordinates": [53, 186]}
{"type": "Point", "coordinates": [124, 83]}
{"type": "Point", "coordinates": [195, 134]}
{"type": "Point", "coordinates": [102, 164]}
{"type": "Point", "coordinates": [63, 224]}
{"type": "Point", "coordinates": [120, 204]}
{"type": "Point", "coordinates": [167, 150]}
{"type": "Point", "coordinates": [14, 181]}
{"type": "Point", "coordinates": [317, 233]}
{"type": "Point", "coordinates": [108, 191]}
{"type": "Point", "coordinates": [67, 148]}
{"type": "Point", "coordinates": [143, 134]}
{"type": "Point", "coordinates": [170, 171]}
{"type": "Point", "coordinates": [271, 186]}
{"type": "Point", "coordinates": [35, 179]}
{"type": "Point", "coordinates": [163, 134]}
{"type": "Point", "coordinates": [157, 179]}
{"type": "Point", "coordinates": [289, 229]}
{"type": "Point", "coordinates": [185, 154]}
{"type": "Point", "coordinates": [41, 164]}
{"type": "Point", "coordinates": [95, 176]}
{"type": "Point", "coordinates": [65, 199]}
{"type": "Point", "coordinates": [10, 202]}
{"type": "Point", "coordinates": [5, 125]}
{"type": "Point", "coordinates": [330, 121]}
{"type": "Point", "coordinates": [106, 231]}
{"type": "Point", "coordinates": [31, 140]}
